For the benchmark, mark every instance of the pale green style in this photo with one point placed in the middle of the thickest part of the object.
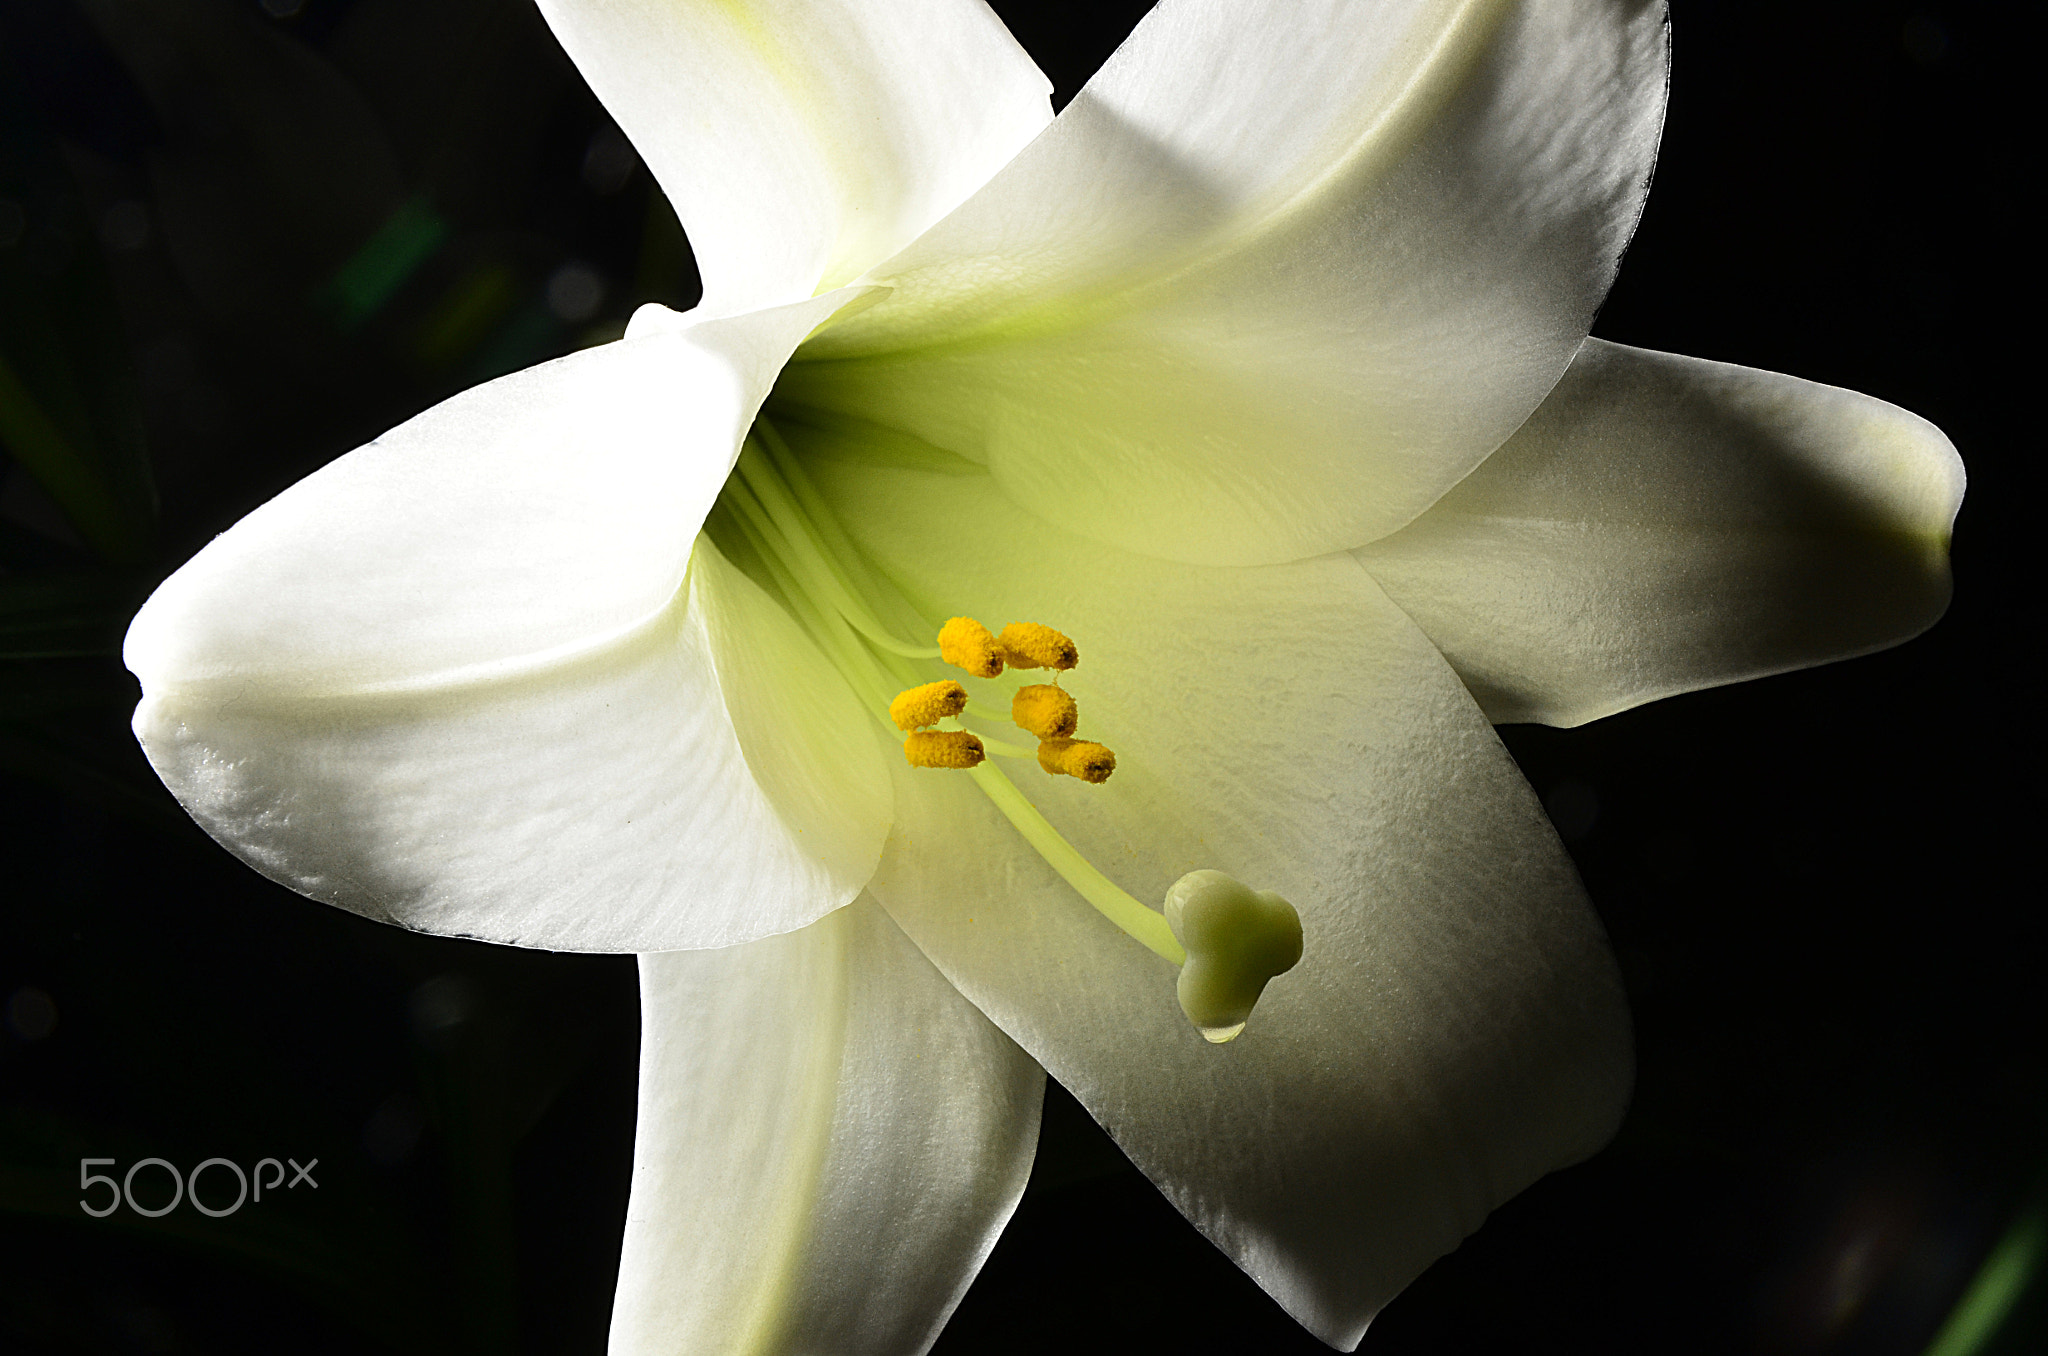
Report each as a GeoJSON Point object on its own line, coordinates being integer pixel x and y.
{"type": "Point", "coordinates": [1262, 371]}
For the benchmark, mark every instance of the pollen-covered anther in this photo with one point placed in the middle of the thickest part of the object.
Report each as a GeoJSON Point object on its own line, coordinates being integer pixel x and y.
{"type": "Point", "coordinates": [1027, 645]}
{"type": "Point", "coordinates": [966, 644]}
{"type": "Point", "coordinates": [1076, 758]}
{"type": "Point", "coordinates": [942, 748]}
{"type": "Point", "coordinates": [1044, 710]}
{"type": "Point", "coordinates": [927, 705]}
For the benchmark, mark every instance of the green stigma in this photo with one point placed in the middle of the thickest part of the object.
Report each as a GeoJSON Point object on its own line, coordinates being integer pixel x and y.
{"type": "Point", "coordinates": [1237, 938]}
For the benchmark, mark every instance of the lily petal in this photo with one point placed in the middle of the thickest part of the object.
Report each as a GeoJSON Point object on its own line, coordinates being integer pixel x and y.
{"type": "Point", "coordinates": [455, 679]}
{"type": "Point", "coordinates": [830, 1139]}
{"type": "Point", "coordinates": [1663, 524]}
{"type": "Point", "coordinates": [803, 141]}
{"type": "Point", "coordinates": [1279, 277]}
{"type": "Point", "coordinates": [523, 520]}
{"type": "Point", "coordinates": [1455, 1028]}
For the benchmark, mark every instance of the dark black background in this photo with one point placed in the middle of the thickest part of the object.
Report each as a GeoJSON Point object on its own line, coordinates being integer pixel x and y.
{"type": "Point", "coordinates": [249, 239]}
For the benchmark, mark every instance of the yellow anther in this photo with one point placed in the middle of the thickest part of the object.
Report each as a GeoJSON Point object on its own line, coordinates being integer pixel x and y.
{"type": "Point", "coordinates": [927, 705]}
{"type": "Point", "coordinates": [1027, 645]}
{"type": "Point", "coordinates": [966, 644]}
{"type": "Point", "coordinates": [1076, 758]}
{"type": "Point", "coordinates": [1237, 938]}
{"type": "Point", "coordinates": [942, 748]}
{"type": "Point", "coordinates": [1044, 710]}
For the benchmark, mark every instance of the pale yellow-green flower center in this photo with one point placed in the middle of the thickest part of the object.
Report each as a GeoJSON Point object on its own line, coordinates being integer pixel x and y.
{"type": "Point", "coordinates": [1228, 940]}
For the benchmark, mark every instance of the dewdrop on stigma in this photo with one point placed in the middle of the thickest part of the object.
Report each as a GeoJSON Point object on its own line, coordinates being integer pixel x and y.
{"type": "Point", "coordinates": [1237, 939]}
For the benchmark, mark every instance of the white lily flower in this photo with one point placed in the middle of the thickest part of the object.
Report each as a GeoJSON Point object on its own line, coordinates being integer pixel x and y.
{"type": "Point", "coordinates": [1263, 372]}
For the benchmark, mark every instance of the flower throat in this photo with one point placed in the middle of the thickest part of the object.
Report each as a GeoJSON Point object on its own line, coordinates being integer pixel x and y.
{"type": "Point", "coordinates": [1227, 939]}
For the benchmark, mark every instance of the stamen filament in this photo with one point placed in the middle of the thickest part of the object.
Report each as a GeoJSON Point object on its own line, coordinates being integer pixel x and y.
{"type": "Point", "coordinates": [875, 581]}
{"type": "Point", "coordinates": [854, 662]}
{"type": "Point", "coordinates": [1002, 748]}
{"type": "Point", "coordinates": [1139, 922]}
{"type": "Point", "coordinates": [847, 559]}
{"type": "Point", "coordinates": [801, 534]}
{"type": "Point", "coordinates": [824, 620]}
